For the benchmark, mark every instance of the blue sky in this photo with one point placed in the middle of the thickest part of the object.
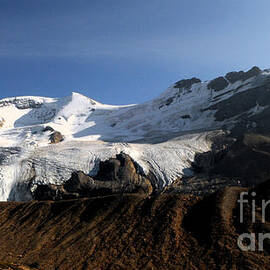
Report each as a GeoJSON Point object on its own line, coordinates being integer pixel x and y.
{"type": "Point", "coordinates": [122, 51]}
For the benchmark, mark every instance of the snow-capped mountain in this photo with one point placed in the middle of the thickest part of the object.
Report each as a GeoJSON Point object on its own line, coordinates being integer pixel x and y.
{"type": "Point", "coordinates": [162, 135]}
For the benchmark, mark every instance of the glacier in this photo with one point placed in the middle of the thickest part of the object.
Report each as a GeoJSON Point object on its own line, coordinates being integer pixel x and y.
{"type": "Point", "coordinates": [162, 135]}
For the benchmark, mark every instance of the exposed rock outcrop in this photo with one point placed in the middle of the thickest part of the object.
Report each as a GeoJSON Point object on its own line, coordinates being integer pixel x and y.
{"type": "Point", "coordinates": [52, 192]}
{"type": "Point", "coordinates": [218, 84]}
{"type": "Point", "coordinates": [56, 137]}
{"type": "Point", "coordinates": [221, 83]}
{"type": "Point", "coordinates": [235, 76]}
{"type": "Point", "coordinates": [21, 103]}
{"type": "Point", "coordinates": [116, 176]}
{"type": "Point", "coordinates": [48, 128]}
{"type": "Point", "coordinates": [2, 121]}
{"type": "Point", "coordinates": [245, 111]}
{"type": "Point", "coordinates": [187, 83]}
{"type": "Point", "coordinates": [246, 160]}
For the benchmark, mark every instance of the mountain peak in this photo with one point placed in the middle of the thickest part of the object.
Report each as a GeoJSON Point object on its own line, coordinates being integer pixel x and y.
{"type": "Point", "coordinates": [79, 96]}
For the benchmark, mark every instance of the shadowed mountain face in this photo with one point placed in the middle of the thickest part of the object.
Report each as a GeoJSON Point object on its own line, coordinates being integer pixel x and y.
{"type": "Point", "coordinates": [128, 232]}
{"type": "Point", "coordinates": [249, 110]}
{"type": "Point", "coordinates": [245, 160]}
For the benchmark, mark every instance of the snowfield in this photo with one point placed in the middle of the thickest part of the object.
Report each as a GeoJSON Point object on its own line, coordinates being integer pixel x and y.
{"type": "Point", "coordinates": [162, 135]}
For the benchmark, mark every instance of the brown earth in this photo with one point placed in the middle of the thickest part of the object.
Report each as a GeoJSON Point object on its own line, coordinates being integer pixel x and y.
{"type": "Point", "coordinates": [166, 231]}
{"type": "Point", "coordinates": [11, 266]}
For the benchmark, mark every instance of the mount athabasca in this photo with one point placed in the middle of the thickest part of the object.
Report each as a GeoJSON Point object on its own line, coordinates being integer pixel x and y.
{"type": "Point", "coordinates": [44, 141]}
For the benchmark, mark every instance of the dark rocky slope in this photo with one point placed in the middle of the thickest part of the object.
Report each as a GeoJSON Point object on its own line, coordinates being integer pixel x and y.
{"type": "Point", "coordinates": [246, 160]}
{"type": "Point", "coordinates": [129, 232]}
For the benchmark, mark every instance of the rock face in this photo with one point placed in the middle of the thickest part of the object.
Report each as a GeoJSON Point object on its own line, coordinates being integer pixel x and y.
{"type": "Point", "coordinates": [2, 121]}
{"type": "Point", "coordinates": [205, 162]}
{"type": "Point", "coordinates": [187, 83]}
{"type": "Point", "coordinates": [21, 103]}
{"type": "Point", "coordinates": [235, 76]}
{"type": "Point", "coordinates": [246, 160]}
{"type": "Point", "coordinates": [245, 111]}
{"type": "Point", "coordinates": [51, 192]}
{"type": "Point", "coordinates": [56, 137]}
{"type": "Point", "coordinates": [218, 84]}
{"type": "Point", "coordinates": [48, 128]}
{"type": "Point", "coordinates": [116, 175]}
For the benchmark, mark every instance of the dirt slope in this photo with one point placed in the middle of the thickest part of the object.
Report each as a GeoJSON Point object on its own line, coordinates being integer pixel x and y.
{"type": "Point", "coordinates": [167, 231]}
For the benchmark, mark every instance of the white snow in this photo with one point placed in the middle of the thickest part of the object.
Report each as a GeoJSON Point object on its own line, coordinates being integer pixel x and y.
{"type": "Point", "coordinates": [162, 135]}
